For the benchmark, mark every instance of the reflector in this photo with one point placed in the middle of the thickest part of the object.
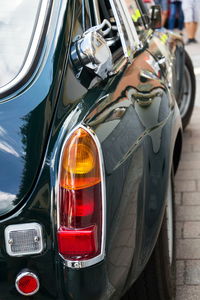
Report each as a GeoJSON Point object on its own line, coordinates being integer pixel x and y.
{"type": "Point", "coordinates": [23, 239]}
{"type": "Point", "coordinates": [27, 283]}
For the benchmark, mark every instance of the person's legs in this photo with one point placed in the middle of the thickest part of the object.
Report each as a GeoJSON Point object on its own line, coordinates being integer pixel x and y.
{"type": "Point", "coordinates": [190, 29]}
{"type": "Point", "coordinates": [164, 17]}
{"type": "Point", "coordinates": [189, 24]}
{"type": "Point", "coordinates": [195, 28]}
{"type": "Point", "coordinates": [172, 15]}
{"type": "Point", "coordinates": [164, 5]}
{"type": "Point", "coordinates": [180, 16]}
{"type": "Point", "coordinates": [195, 16]}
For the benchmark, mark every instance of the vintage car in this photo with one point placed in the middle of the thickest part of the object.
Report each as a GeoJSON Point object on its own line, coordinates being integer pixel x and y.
{"type": "Point", "coordinates": [90, 140]}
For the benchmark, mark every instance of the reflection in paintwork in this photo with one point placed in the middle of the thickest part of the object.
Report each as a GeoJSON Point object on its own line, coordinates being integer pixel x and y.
{"type": "Point", "coordinates": [7, 148]}
{"type": "Point", "coordinates": [4, 199]}
{"type": "Point", "coordinates": [147, 96]}
{"type": "Point", "coordinates": [133, 115]}
{"type": "Point", "coordinates": [124, 223]}
{"type": "Point", "coordinates": [4, 145]}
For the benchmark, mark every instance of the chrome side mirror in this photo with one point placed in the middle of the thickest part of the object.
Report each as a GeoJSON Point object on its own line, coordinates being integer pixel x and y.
{"type": "Point", "coordinates": [91, 56]}
{"type": "Point", "coordinates": [155, 17]}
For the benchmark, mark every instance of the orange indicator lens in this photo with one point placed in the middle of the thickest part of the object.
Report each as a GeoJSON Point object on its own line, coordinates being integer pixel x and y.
{"type": "Point", "coordinates": [80, 162]}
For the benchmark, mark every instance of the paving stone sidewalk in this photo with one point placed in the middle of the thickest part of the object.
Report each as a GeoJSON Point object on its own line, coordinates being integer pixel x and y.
{"type": "Point", "coordinates": [187, 183]}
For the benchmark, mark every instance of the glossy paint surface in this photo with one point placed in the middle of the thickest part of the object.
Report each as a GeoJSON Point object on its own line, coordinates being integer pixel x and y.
{"type": "Point", "coordinates": [135, 118]}
{"type": "Point", "coordinates": [25, 119]}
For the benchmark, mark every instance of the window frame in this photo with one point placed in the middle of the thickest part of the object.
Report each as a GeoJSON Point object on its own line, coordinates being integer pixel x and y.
{"type": "Point", "coordinates": [32, 56]}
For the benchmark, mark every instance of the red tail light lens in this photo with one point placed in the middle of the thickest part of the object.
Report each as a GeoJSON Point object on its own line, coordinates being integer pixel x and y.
{"type": "Point", "coordinates": [80, 198]}
{"type": "Point", "coordinates": [80, 242]}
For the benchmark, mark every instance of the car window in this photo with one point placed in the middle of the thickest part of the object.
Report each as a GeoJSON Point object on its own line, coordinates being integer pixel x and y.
{"type": "Point", "coordinates": [22, 25]}
{"type": "Point", "coordinates": [17, 24]}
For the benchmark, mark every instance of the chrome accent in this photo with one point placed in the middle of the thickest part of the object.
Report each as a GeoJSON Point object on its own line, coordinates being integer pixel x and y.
{"type": "Point", "coordinates": [96, 11]}
{"type": "Point", "coordinates": [121, 65]}
{"type": "Point", "coordinates": [131, 30]}
{"type": "Point", "coordinates": [76, 264]}
{"type": "Point", "coordinates": [112, 41]}
{"type": "Point", "coordinates": [99, 28]}
{"type": "Point", "coordinates": [92, 51]}
{"type": "Point", "coordinates": [26, 273]}
{"type": "Point", "coordinates": [33, 49]}
{"type": "Point", "coordinates": [36, 239]}
{"type": "Point", "coordinates": [162, 61]}
{"type": "Point", "coordinates": [9, 241]}
{"type": "Point", "coordinates": [131, 43]}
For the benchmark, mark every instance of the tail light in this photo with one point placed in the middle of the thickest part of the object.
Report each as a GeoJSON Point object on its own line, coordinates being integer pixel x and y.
{"type": "Point", "coordinates": [81, 206]}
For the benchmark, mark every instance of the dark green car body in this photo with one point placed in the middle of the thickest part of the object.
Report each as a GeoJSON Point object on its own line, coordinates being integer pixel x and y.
{"type": "Point", "coordinates": [137, 122]}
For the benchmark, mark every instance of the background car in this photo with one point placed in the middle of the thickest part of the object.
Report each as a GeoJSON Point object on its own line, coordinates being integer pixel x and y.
{"type": "Point", "coordinates": [90, 140]}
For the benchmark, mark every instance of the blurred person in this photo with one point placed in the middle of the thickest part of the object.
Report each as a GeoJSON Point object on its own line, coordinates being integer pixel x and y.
{"type": "Point", "coordinates": [164, 6]}
{"type": "Point", "coordinates": [191, 14]}
{"type": "Point", "coordinates": [175, 7]}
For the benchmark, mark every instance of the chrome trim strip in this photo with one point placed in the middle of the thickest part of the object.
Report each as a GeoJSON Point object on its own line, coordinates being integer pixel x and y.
{"type": "Point", "coordinates": [119, 27]}
{"type": "Point", "coordinates": [86, 263]}
{"type": "Point", "coordinates": [132, 30]}
{"type": "Point", "coordinates": [96, 12]}
{"type": "Point", "coordinates": [120, 7]}
{"type": "Point", "coordinates": [26, 273]}
{"type": "Point", "coordinates": [33, 49]}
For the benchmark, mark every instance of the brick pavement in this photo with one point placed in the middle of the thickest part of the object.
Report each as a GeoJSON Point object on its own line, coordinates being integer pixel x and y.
{"type": "Point", "coordinates": [187, 189]}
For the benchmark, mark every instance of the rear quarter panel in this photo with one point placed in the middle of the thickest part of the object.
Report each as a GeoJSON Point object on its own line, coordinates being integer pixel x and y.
{"type": "Point", "coordinates": [136, 120]}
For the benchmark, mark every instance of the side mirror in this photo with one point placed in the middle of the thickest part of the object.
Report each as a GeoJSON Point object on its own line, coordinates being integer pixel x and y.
{"type": "Point", "coordinates": [155, 17]}
{"type": "Point", "coordinates": [91, 56]}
